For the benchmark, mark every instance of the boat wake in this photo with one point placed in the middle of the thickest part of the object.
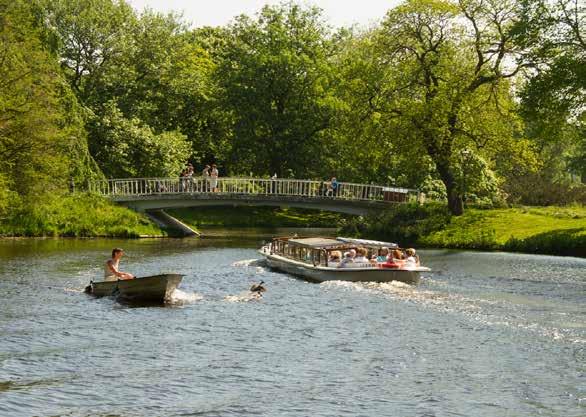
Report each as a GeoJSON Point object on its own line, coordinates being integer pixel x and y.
{"type": "Point", "coordinates": [179, 297]}
{"type": "Point", "coordinates": [486, 312]}
{"type": "Point", "coordinates": [67, 289]}
{"type": "Point", "coordinates": [250, 262]}
{"type": "Point", "coordinates": [243, 297]}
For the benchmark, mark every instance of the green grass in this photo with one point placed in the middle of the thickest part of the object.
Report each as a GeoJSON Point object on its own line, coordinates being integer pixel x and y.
{"type": "Point", "coordinates": [554, 230]}
{"type": "Point", "coordinates": [78, 215]}
{"type": "Point", "coordinates": [245, 216]}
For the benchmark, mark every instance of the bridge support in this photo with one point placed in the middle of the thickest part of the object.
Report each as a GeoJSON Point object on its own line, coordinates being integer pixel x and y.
{"type": "Point", "coordinates": [167, 221]}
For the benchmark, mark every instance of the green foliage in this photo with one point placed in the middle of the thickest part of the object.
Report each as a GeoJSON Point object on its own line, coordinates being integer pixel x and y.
{"type": "Point", "coordinates": [78, 215]}
{"type": "Point", "coordinates": [405, 224]}
{"type": "Point", "coordinates": [477, 98]}
{"type": "Point", "coordinates": [555, 230]}
{"type": "Point", "coordinates": [566, 242]}
{"type": "Point", "coordinates": [129, 149]}
{"type": "Point", "coordinates": [144, 82]}
{"type": "Point", "coordinates": [42, 142]}
{"type": "Point", "coordinates": [553, 98]}
{"type": "Point", "coordinates": [275, 78]}
{"type": "Point", "coordinates": [425, 78]}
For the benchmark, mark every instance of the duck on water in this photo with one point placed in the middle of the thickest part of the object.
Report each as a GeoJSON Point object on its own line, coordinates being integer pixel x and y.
{"type": "Point", "coordinates": [320, 259]}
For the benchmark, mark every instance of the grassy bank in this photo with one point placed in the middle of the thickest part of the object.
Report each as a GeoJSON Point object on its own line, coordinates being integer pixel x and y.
{"type": "Point", "coordinates": [255, 217]}
{"type": "Point", "coordinates": [547, 230]}
{"type": "Point", "coordinates": [551, 230]}
{"type": "Point", "coordinates": [78, 215]}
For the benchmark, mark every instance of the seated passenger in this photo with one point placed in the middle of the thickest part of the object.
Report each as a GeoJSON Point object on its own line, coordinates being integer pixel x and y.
{"type": "Point", "coordinates": [335, 257]}
{"type": "Point", "coordinates": [412, 258]}
{"type": "Point", "coordinates": [383, 254]}
{"type": "Point", "coordinates": [361, 256]}
{"type": "Point", "coordinates": [397, 255]}
{"type": "Point", "coordinates": [348, 261]}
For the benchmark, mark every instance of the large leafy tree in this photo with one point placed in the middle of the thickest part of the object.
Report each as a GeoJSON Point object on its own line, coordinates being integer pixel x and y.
{"type": "Point", "coordinates": [554, 96]}
{"type": "Point", "coordinates": [444, 75]}
{"type": "Point", "coordinates": [138, 78]}
{"type": "Point", "coordinates": [42, 142]}
{"type": "Point", "coordinates": [276, 76]}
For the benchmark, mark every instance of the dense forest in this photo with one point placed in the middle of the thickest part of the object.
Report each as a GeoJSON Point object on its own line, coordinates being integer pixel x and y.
{"type": "Point", "coordinates": [476, 101]}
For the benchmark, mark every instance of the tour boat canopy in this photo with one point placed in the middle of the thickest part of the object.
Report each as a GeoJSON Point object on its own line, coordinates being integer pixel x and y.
{"type": "Point", "coordinates": [316, 242]}
{"type": "Point", "coordinates": [337, 243]}
{"type": "Point", "coordinates": [365, 242]}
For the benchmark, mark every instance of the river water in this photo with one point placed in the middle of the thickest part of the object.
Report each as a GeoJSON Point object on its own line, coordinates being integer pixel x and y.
{"type": "Point", "coordinates": [485, 334]}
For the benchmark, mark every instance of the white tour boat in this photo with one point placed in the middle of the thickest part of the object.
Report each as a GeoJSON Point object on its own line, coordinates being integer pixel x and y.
{"type": "Point", "coordinates": [310, 258]}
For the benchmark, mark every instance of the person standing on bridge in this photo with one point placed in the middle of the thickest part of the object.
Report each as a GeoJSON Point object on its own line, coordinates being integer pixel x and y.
{"type": "Point", "coordinates": [214, 178]}
{"type": "Point", "coordinates": [206, 178]}
{"type": "Point", "coordinates": [274, 183]}
{"type": "Point", "coordinates": [334, 184]}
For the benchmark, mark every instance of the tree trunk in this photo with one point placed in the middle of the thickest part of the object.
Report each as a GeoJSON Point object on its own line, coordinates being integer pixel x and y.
{"type": "Point", "coordinates": [455, 202]}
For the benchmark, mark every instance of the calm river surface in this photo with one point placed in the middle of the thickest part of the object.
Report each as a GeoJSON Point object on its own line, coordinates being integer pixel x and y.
{"type": "Point", "coordinates": [485, 334]}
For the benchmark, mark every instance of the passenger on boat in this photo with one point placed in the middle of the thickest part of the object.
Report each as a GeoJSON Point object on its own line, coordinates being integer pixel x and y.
{"type": "Point", "coordinates": [335, 258]}
{"type": "Point", "coordinates": [111, 271]}
{"type": "Point", "coordinates": [348, 260]}
{"type": "Point", "coordinates": [383, 254]}
{"type": "Point", "coordinates": [412, 258]}
{"type": "Point", "coordinates": [361, 256]}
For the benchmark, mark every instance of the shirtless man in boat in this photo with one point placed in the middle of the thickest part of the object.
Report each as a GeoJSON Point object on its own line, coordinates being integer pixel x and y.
{"type": "Point", "coordinates": [111, 271]}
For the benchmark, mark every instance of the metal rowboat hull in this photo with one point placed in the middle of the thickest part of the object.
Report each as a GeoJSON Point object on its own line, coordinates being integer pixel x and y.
{"type": "Point", "coordinates": [156, 288]}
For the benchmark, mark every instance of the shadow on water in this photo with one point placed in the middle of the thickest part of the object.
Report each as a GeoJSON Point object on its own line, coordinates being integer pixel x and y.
{"type": "Point", "coordinates": [6, 386]}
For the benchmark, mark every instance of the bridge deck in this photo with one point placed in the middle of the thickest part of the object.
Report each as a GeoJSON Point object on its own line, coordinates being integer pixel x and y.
{"type": "Point", "coordinates": [157, 193]}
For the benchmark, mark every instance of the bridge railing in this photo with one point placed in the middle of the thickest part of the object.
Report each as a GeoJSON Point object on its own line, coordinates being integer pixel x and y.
{"type": "Point", "coordinates": [252, 186]}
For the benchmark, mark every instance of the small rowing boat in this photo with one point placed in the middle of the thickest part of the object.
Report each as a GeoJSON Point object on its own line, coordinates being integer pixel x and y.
{"type": "Point", "coordinates": [153, 289]}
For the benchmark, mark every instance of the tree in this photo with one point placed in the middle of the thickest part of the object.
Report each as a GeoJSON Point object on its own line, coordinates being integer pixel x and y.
{"type": "Point", "coordinates": [447, 72]}
{"type": "Point", "coordinates": [93, 40]}
{"type": "Point", "coordinates": [131, 149]}
{"type": "Point", "coordinates": [275, 77]}
{"type": "Point", "coordinates": [42, 141]}
{"type": "Point", "coordinates": [146, 67]}
{"type": "Point", "coordinates": [554, 96]}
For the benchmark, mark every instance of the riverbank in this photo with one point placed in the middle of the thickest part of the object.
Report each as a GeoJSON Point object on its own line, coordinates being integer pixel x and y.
{"type": "Point", "coordinates": [79, 215]}
{"type": "Point", "coordinates": [544, 230]}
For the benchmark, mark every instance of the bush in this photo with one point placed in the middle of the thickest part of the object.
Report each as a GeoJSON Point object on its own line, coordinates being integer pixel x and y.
{"type": "Point", "coordinates": [539, 190]}
{"type": "Point", "coordinates": [405, 223]}
{"type": "Point", "coordinates": [77, 215]}
{"type": "Point", "coordinates": [556, 242]}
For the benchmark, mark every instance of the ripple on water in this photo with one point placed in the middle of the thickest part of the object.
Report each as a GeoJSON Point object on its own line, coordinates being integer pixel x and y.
{"type": "Point", "coordinates": [460, 343]}
{"type": "Point", "coordinates": [489, 312]}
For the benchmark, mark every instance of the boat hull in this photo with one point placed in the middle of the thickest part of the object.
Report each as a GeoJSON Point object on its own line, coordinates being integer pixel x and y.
{"type": "Point", "coordinates": [154, 289]}
{"type": "Point", "coordinates": [322, 274]}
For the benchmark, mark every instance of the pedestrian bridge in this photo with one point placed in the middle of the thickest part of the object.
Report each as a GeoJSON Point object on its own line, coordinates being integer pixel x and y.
{"type": "Point", "coordinates": [150, 194]}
